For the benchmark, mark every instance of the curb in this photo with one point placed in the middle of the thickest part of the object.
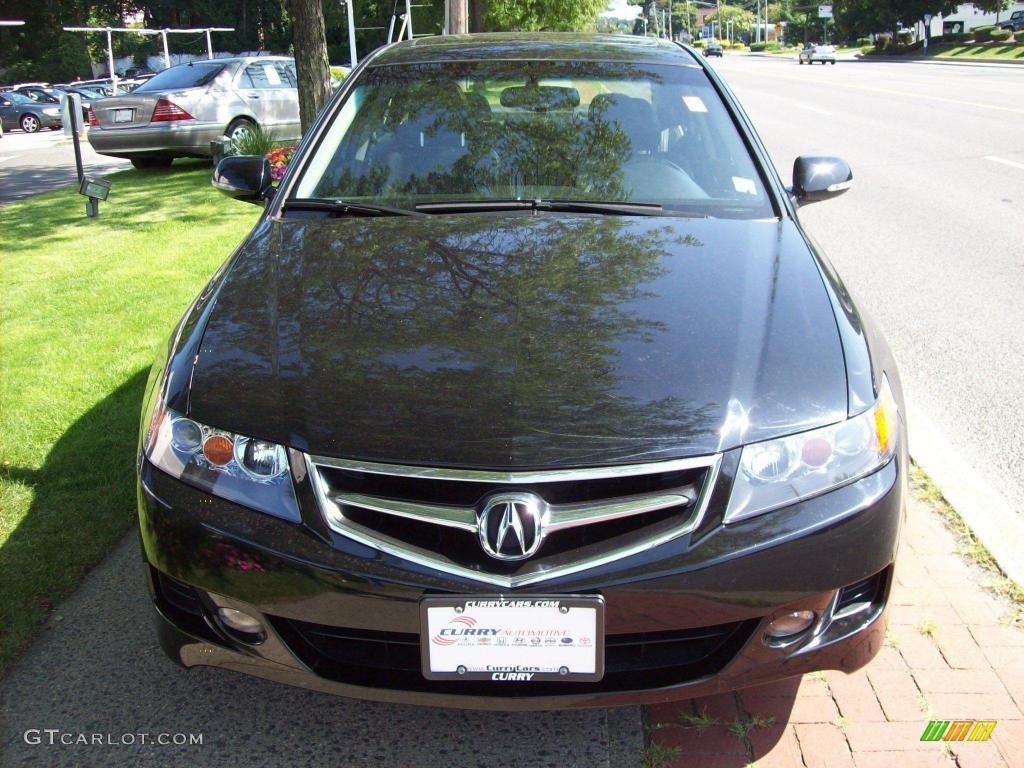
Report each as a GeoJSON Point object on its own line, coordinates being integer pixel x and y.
{"type": "Point", "coordinates": [988, 514]}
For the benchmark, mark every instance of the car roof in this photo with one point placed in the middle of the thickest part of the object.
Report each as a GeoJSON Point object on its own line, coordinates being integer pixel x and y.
{"type": "Point", "coordinates": [536, 45]}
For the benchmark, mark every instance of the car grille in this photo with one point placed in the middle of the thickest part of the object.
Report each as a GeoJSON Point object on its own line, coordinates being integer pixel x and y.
{"type": "Point", "coordinates": [632, 661]}
{"type": "Point", "coordinates": [429, 515]}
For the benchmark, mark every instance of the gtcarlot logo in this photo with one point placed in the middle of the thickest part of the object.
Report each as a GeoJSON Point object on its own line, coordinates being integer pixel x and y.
{"type": "Point", "coordinates": [53, 737]}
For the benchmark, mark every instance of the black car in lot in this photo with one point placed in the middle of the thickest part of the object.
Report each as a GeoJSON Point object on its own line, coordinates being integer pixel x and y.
{"type": "Point", "coordinates": [527, 391]}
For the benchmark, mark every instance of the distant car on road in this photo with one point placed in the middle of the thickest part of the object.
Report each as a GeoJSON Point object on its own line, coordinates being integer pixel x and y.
{"type": "Point", "coordinates": [181, 110]}
{"type": "Point", "coordinates": [1015, 22]}
{"type": "Point", "coordinates": [19, 111]}
{"type": "Point", "coordinates": [826, 54]}
{"type": "Point", "coordinates": [713, 49]}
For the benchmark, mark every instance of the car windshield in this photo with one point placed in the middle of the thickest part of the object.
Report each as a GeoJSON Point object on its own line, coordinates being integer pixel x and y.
{"type": "Point", "coordinates": [413, 134]}
{"type": "Point", "coordinates": [183, 76]}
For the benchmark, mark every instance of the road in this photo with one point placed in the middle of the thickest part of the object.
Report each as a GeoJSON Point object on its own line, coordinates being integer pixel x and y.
{"type": "Point", "coordinates": [31, 163]}
{"type": "Point", "coordinates": [931, 239]}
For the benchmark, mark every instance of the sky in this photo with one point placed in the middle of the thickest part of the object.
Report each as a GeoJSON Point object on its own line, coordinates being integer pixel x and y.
{"type": "Point", "coordinates": [620, 9]}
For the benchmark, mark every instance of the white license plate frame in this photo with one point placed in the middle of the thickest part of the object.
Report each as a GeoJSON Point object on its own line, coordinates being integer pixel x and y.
{"type": "Point", "coordinates": [530, 638]}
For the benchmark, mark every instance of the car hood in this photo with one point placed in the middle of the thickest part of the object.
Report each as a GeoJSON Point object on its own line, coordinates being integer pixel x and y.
{"type": "Point", "coordinates": [520, 340]}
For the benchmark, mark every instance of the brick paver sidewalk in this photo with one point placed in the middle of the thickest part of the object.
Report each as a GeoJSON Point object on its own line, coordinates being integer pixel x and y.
{"type": "Point", "coordinates": [952, 654]}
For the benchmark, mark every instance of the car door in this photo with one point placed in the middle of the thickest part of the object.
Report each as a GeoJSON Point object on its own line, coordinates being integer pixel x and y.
{"type": "Point", "coordinates": [264, 86]}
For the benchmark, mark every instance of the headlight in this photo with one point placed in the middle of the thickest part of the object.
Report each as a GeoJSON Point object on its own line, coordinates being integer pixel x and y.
{"type": "Point", "coordinates": [778, 472]}
{"type": "Point", "coordinates": [51, 111]}
{"type": "Point", "coordinates": [239, 468]}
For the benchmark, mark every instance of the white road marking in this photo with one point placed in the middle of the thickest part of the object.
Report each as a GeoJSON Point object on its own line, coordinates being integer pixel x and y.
{"type": "Point", "coordinates": [1010, 163]}
{"type": "Point", "coordinates": [6, 157]}
{"type": "Point", "coordinates": [808, 107]}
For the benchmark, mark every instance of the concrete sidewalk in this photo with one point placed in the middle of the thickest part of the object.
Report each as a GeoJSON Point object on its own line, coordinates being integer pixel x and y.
{"type": "Point", "coordinates": [954, 652]}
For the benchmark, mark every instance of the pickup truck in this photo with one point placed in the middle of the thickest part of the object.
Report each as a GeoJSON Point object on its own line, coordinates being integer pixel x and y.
{"type": "Point", "coordinates": [1015, 22]}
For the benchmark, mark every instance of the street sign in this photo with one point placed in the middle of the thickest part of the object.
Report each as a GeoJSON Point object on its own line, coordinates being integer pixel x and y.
{"type": "Point", "coordinates": [824, 11]}
{"type": "Point", "coordinates": [927, 18]}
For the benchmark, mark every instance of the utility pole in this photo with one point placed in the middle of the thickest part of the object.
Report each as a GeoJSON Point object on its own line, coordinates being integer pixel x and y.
{"type": "Point", "coordinates": [457, 14]}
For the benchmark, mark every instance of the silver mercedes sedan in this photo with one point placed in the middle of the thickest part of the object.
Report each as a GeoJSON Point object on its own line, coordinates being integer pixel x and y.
{"type": "Point", "coordinates": [181, 110]}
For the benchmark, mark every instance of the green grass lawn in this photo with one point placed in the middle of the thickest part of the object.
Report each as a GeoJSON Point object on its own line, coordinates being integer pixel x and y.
{"type": "Point", "coordinates": [83, 305]}
{"type": "Point", "coordinates": [998, 51]}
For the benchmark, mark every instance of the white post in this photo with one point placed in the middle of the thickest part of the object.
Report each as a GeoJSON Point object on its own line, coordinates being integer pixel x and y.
{"type": "Point", "coordinates": [352, 33]}
{"type": "Point", "coordinates": [408, 16]}
{"type": "Point", "coordinates": [167, 51]}
{"type": "Point", "coordinates": [209, 44]}
{"type": "Point", "coordinates": [110, 63]}
{"type": "Point", "coordinates": [391, 28]}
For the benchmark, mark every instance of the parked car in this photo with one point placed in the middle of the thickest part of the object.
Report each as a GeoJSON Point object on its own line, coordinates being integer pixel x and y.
{"type": "Point", "coordinates": [19, 111]}
{"type": "Point", "coordinates": [1015, 22]}
{"type": "Point", "coordinates": [181, 110]}
{"type": "Point", "coordinates": [526, 391]}
{"type": "Point", "coordinates": [713, 49]}
{"type": "Point", "coordinates": [826, 54]}
{"type": "Point", "coordinates": [44, 95]}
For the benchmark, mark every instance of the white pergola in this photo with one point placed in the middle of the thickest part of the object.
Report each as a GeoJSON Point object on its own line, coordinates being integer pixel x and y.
{"type": "Point", "coordinates": [141, 31]}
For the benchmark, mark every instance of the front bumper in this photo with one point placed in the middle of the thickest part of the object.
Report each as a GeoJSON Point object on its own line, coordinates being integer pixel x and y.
{"type": "Point", "coordinates": [175, 138]}
{"type": "Point", "coordinates": [342, 618]}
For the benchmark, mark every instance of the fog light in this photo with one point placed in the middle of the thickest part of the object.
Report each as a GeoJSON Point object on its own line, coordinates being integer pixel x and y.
{"type": "Point", "coordinates": [789, 624]}
{"type": "Point", "coordinates": [245, 626]}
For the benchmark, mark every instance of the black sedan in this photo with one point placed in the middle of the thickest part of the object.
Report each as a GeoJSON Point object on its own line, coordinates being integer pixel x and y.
{"type": "Point", "coordinates": [19, 111]}
{"type": "Point", "coordinates": [713, 49]}
{"type": "Point", "coordinates": [526, 391]}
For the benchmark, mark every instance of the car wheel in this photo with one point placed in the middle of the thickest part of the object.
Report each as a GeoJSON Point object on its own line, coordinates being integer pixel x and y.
{"type": "Point", "coordinates": [832, 62]}
{"type": "Point", "coordinates": [240, 129]}
{"type": "Point", "coordinates": [29, 123]}
{"type": "Point", "coordinates": [149, 163]}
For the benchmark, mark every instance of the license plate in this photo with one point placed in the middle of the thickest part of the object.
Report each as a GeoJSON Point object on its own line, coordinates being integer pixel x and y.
{"type": "Point", "coordinates": [123, 115]}
{"type": "Point", "coordinates": [513, 639]}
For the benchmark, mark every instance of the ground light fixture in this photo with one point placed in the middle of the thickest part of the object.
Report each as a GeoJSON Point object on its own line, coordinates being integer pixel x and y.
{"type": "Point", "coordinates": [95, 189]}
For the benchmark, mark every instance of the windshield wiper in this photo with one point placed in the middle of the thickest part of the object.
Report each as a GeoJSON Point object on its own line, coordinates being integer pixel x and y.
{"type": "Point", "coordinates": [561, 206]}
{"type": "Point", "coordinates": [343, 208]}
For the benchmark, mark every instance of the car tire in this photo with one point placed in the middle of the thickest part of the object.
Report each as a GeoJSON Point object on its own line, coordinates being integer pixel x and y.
{"type": "Point", "coordinates": [832, 62]}
{"type": "Point", "coordinates": [30, 123]}
{"type": "Point", "coordinates": [151, 163]}
{"type": "Point", "coordinates": [239, 127]}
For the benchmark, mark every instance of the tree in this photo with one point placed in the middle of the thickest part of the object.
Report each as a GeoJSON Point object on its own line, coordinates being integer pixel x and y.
{"type": "Point", "coordinates": [550, 15]}
{"type": "Point", "coordinates": [742, 20]}
{"type": "Point", "coordinates": [311, 66]}
{"type": "Point", "coordinates": [992, 6]}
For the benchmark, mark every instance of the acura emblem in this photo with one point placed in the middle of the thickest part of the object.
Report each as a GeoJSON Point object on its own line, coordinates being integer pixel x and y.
{"type": "Point", "coordinates": [511, 525]}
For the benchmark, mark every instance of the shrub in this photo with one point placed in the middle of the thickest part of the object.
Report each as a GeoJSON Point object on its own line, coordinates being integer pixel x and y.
{"type": "Point", "coordinates": [1000, 35]}
{"type": "Point", "coordinates": [903, 39]}
{"type": "Point", "coordinates": [698, 43]}
{"type": "Point", "coordinates": [981, 34]}
{"type": "Point", "coordinates": [758, 47]}
{"type": "Point", "coordinates": [256, 141]}
{"type": "Point", "coordinates": [863, 41]}
{"type": "Point", "coordinates": [883, 42]}
{"type": "Point", "coordinates": [1019, 37]}
{"type": "Point", "coordinates": [867, 48]}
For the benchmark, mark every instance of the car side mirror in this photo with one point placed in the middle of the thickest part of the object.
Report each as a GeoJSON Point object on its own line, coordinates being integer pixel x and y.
{"type": "Point", "coordinates": [820, 178]}
{"type": "Point", "coordinates": [244, 177]}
